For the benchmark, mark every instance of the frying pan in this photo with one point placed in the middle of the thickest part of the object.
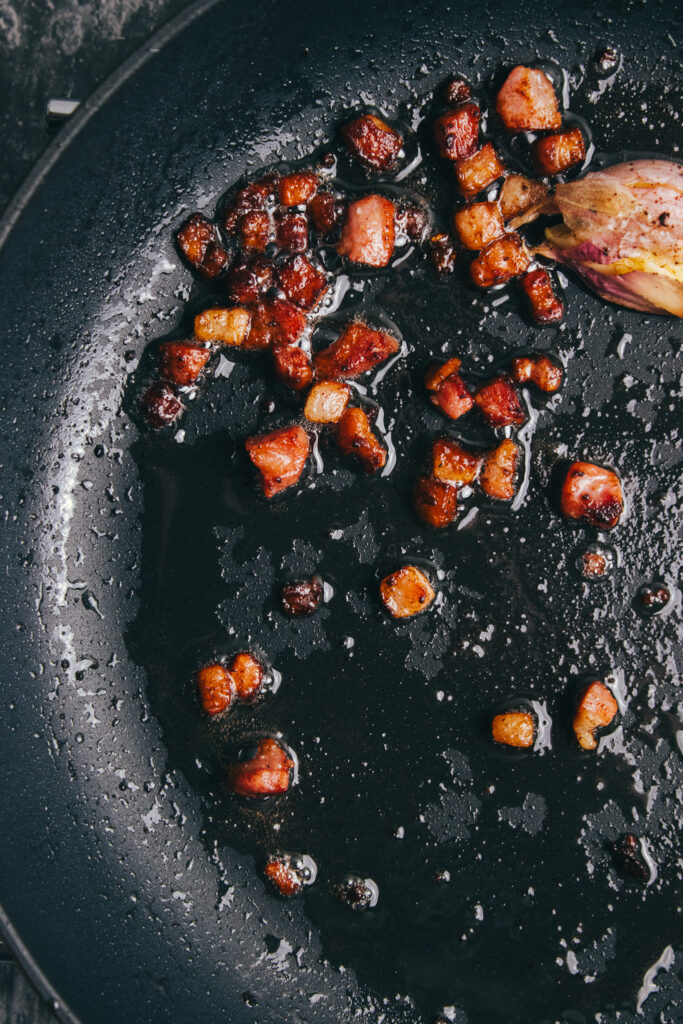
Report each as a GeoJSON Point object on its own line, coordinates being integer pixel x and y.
{"type": "Point", "coordinates": [129, 878]}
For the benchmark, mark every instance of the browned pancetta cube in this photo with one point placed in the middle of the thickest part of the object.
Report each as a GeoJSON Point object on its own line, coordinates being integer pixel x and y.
{"type": "Point", "coordinates": [256, 196]}
{"type": "Point", "coordinates": [454, 464]}
{"type": "Point", "coordinates": [216, 688]}
{"type": "Point", "coordinates": [406, 592]}
{"type": "Point", "coordinates": [554, 154]}
{"type": "Point", "coordinates": [298, 188]}
{"type": "Point", "coordinates": [280, 457]}
{"type": "Point", "coordinates": [478, 224]}
{"type": "Point", "coordinates": [326, 402]}
{"type": "Point", "coordinates": [477, 172]}
{"type": "Point", "coordinates": [527, 102]}
{"type": "Point", "coordinates": [291, 231]}
{"type": "Point", "coordinates": [368, 233]}
{"type": "Point", "coordinates": [540, 370]}
{"type": "Point", "coordinates": [457, 132]}
{"type": "Point", "coordinates": [436, 502]}
{"type": "Point", "coordinates": [373, 142]}
{"type": "Point", "coordinates": [160, 404]}
{"type": "Point", "coordinates": [227, 326]}
{"type": "Point", "coordinates": [199, 243]}
{"type": "Point", "coordinates": [498, 477]}
{"type": "Point", "coordinates": [182, 363]}
{"type": "Point", "coordinates": [498, 402]}
{"type": "Point", "coordinates": [546, 308]}
{"type": "Point", "coordinates": [301, 282]}
{"type": "Point", "coordinates": [593, 495]}
{"type": "Point", "coordinates": [452, 397]}
{"type": "Point", "coordinates": [247, 675]}
{"type": "Point", "coordinates": [274, 321]}
{"type": "Point", "coordinates": [325, 212]}
{"type": "Point", "coordinates": [514, 728]}
{"type": "Point", "coordinates": [358, 349]}
{"type": "Point", "coordinates": [292, 367]}
{"type": "Point", "coordinates": [442, 253]}
{"type": "Point", "coordinates": [249, 279]}
{"type": "Point", "coordinates": [456, 90]}
{"type": "Point", "coordinates": [268, 773]}
{"type": "Point", "coordinates": [597, 708]}
{"type": "Point", "coordinates": [256, 230]}
{"type": "Point", "coordinates": [500, 261]}
{"type": "Point", "coordinates": [355, 437]}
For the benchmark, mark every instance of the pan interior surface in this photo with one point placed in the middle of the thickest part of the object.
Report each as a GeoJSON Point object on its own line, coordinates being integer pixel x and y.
{"type": "Point", "coordinates": [134, 558]}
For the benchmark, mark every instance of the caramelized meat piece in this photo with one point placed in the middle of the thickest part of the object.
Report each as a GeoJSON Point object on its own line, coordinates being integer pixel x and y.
{"type": "Point", "coordinates": [541, 371]}
{"type": "Point", "coordinates": [456, 91]}
{"type": "Point", "coordinates": [247, 675]}
{"type": "Point", "coordinates": [357, 893]}
{"type": "Point", "coordinates": [500, 470]}
{"type": "Point", "coordinates": [249, 279]}
{"type": "Point", "coordinates": [227, 326]}
{"type": "Point", "coordinates": [514, 729]}
{"type": "Point", "coordinates": [593, 565]}
{"type": "Point", "coordinates": [522, 196]}
{"type": "Point", "coordinates": [355, 437]}
{"type": "Point", "coordinates": [451, 396]}
{"type": "Point", "coordinates": [478, 224]}
{"type": "Point", "coordinates": [160, 405]}
{"type": "Point", "coordinates": [442, 253]}
{"type": "Point", "coordinates": [412, 221]}
{"type": "Point", "coordinates": [325, 211]}
{"type": "Point", "coordinates": [358, 349]}
{"type": "Point", "coordinates": [629, 859]}
{"type": "Point", "coordinates": [373, 142]}
{"type": "Point", "coordinates": [282, 874]}
{"type": "Point", "coordinates": [256, 230]}
{"type": "Point", "coordinates": [368, 232]}
{"type": "Point", "coordinates": [298, 188]}
{"type": "Point", "coordinates": [546, 308]}
{"type": "Point", "coordinates": [527, 102]}
{"type": "Point", "coordinates": [596, 709]}
{"type": "Point", "coordinates": [554, 154]}
{"type": "Point", "coordinates": [436, 503]}
{"type": "Point", "coordinates": [292, 367]}
{"type": "Point", "coordinates": [500, 261]}
{"type": "Point", "coordinates": [438, 372]}
{"type": "Point", "coordinates": [301, 282]}
{"type": "Point", "coordinates": [498, 402]}
{"type": "Point", "coordinates": [275, 322]}
{"type": "Point", "coordinates": [454, 464]}
{"type": "Point", "coordinates": [280, 457]}
{"type": "Point", "coordinates": [457, 132]}
{"type": "Point", "coordinates": [291, 231]}
{"type": "Point", "coordinates": [200, 245]}
{"type": "Point", "coordinates": [216, 688]}
{"type": "Point", "coordinates": [266, 774]}
{"type": "Point", "coordinates": [254, 197]}
{"type": "Point", "coordinates": [478, 171]}
{"type": "Point", "coordinates": [653, 599]}
{"type": "Point", "coordinates": [592, 494]}
{"type": "Point", "coordinates": [406, 592]}
{"type": "Point", "coordinates": [182, 363]}
{"type": "Point", "coordinates": [301, 597]}
{"type": "Point", "coordinates": [326, 402]}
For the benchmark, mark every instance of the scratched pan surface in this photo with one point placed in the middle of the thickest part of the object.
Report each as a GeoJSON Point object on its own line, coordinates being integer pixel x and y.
{"type": "Point", "coordinates": [129, 879]}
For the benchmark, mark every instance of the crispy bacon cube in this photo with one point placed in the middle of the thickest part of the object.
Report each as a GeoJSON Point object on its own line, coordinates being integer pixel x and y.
{"type": "Point", "coordinates": [325, 212]}
{"type": "Point", "coordinates": [522, 198]}
{"type": "Point", "coordinates": [449, 393]}
{"type": "Point", "coordinates": [457, 132]}
{"type": "Point", "coordinates": [280, 457]}
{"type": "Point", "coordinates": [498, 402]}
{"type": "Point", "coordinates": [373, 142]}
{"type": "Point", "coordinates": [292, 367]}
{"type": "Point", "coordinates": [249, 279]}
{"type": "Point", "coordinates": [255, 196]}
{"type": "Point", "coordinates": [546, 308]}
{"type": "Point", "coordinates": [500, 261]}
{"type": "Point", "coordinates": [456, 91]}
{"type": "Point", "coordinates": [301, 282]}
{"type": "Point", "coordinates": [442, 253]}
{"type": "Point", "coordinates": [268, 773]}
{"type": "Point", "coordinates": [368, 233]}
{"type": "Point", "coordinates": [256, 230]}
{"type": "Point", "coordinates": [358, 349]}
{"type": "Point", "coordinates": [275, 322]}
{"type": "Point", "coordinates": [247, 675]}
{"type": "Point", "coordinates": [298, 188]}
{"type": "Point", "coordinates": [454, 464]}
{"type": "Point", "coordinates": [301, 597]}
{"type": "Point", "coordinates": [326, 402]}
{"type": "Point", "coordinates": [436, 502]}
{"type": "Point", "coordinates": [540, 370]}
{"type": "Point", "coordinates": [199, 243]}
{"type": "Point", "coordinates": [592, 494]}
{"type": "Point", "coordinates": [597, 708]}
{"type": "Point", "coordinates": [160, 405]}
{"type": "Point", "coordinates": [514, 729]}
{"type": "Point", "coordinates": [498, 477]}
{"type": "Point", "coordinates": [438, 372]}
{"type": "Point", "coordinates": [216, 688]}
{"type": "Point", "coordinates": [478, 224]}
{"type": "Point", "coordinates": [227, 326]}
{"type": "Point", "coordinates": [291, 231]}
{"type": "Point", "coordinates": [554, 154]}
{"type": "Point", "coordinates": [354, 436]}
{"type": "Point", "coordinates": [182, 363]}
{"type": "Point", "coordinates": [406, 592]}
{"type": "Point", "coordinates": [281, 873]}
{"type": "Point", "coordinates": [475, 173]}
{"type": "Point", "coordinates": [527, 102]}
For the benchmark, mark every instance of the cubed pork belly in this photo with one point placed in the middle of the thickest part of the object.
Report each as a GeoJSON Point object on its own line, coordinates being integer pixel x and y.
{"type": "Point", "coordinates": [451, 395]}
{"type": "Point", "coordinates": [359, 348]}
{"type": "Point", "coordinates": [475, 173]}
{"type": "Point", "coordinates": [454, 464]}
{"type": "Point", "coordinates": [546, 308]}
{"type": "Point", "coordinates": [268, 773]}
{"type": "Point", "coordinates": [592, 494]}
{"type": "Point", "coordinates": [457, 132]}
{"type": "Point", "coordinates": [500, 261]}
{"type": "Point", "coordinates": [354, 436]}
{"type": "Point", "coordinates": [247, 675]}
{"type": "Point", "coordinates": [292, 367]}
{"type": "Point", "coordinates": [597, 708]}
{"type": "Point", "coordinates": [160, 405]}
{"type": "Point", "coordinates": [406, 592]}
{"type": "Point", "coordinates": [252, 198]}
{"type": "Point", "coordinates": [256, 230]}
{"type": "Point", "coordinates": [498, 402]}
{"type": "Point", "coordinates": [302, 283]}
{"type": "Point", "coordinates": [368, 232]}
{"type": "Point", "coordinates": [526, 101]}
{"type": "Point", "coordinates": [199, 242]}
{"type": "Point", "coordinates": [274, 322]}
{"type": "Point", "coordinates": [225, 326]}
{"type": "Point", "coordinates": [514, 728]}
{"type": "Point", "coordinates": [554, 154]}
{"type": "Point", "coordinates": [499, 474]}
{"type": "Point", "coordinates": [325, 212]}
{"type": "Point", "coordinates": [215, 688]}
{"type": "Point", "coordinates": [372, 142]}
{"type": "Point", "coordinates": [478, 224]}
{"type": "Point", "coordinates": [291, 231]}
{"type": "Point", "coordinates": [181, 363]}
{"type": "Point", "coordinates": [436, 502]}
{"type": "Point", "coordinates": [326, 402]}
{"type": "Point", "coordinates": [249, 279]}
{"type": "Point", "coordinates": [281, 873]}
{"type": "Point", "coordinates": [280, 457]}
{"type": "Point", "coordinates": [297, 188]}
{"type": "Point", "coordinates": [301, 597]}
{"type": "Point", "coordinates": [540, 370]}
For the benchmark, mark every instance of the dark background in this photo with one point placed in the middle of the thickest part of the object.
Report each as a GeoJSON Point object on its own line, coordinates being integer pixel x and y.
{"type": "Point", "coordinates": [63, 49]}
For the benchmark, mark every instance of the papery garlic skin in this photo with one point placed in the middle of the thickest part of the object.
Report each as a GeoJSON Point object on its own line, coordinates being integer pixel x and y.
{"type": "Point", "coordinates": [623, 234]}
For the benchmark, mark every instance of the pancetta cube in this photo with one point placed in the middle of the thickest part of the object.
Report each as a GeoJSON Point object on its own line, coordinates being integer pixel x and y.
{"type": "Point", "coordinates": [297, 188]}
{"type": "Point", "coordinates": [373, 142]}
{"type": "Point", "coordinates": [268, 773]}
{"type": "Point", "coordinates": [275, 321]}
{"type": "Point", "coordinates": [226, 326]}
{"type": "Point", "coordinates": [592, 494]}
{"type": "Point", "coordinates": [514, 729]}
{"type": "Point", "coordinates": [301, 282]}
{"type": "Point", "coordinates": [554, 154]}
{"type": "Point", "coordinates": [452, 397]}
{"type": "Point", "coordinates": [249, 279]}
{"type": "Point", "coordinates": [438, 372]}
{"type": "Point", "coordinates": [301, 597]}
{"type": "Point", "coordinates": [326, 402]}
{"type": "Point", "coordinates": [256, 196]}
{"type": "Point", "coordinates": [540, 370]}
{"type": "Point", "coordinates": [522, 198]}
{"type": "Point", "coordinates": [597, 708]}
{"type": "Point", "coordinates": [181, 363]}
{"type": "Point", "coordinates": [358, 349]}
{"type": "Point", "coordinates": [160, 405]}
{"type": "Point", "coordinates": [500, 261]}
{"type": "Point", "coordinates": [280, 872]}
{"type": "Point", "coordinates": [215, 688]}
{"type": "Point", "coordinates": [435, 502]}
{"type": "Point", "coordinates": [354, 436]}
{"type": "Point", "coordinates": [454, 464]}
{"type": "Point", "coordinates": [247, 675]}
{"type": "Point", "coordinates": [199, 242]}
{"type": "Point", "coordinates": [406, 592]}
{"type": "Point", "coordinates": [499, 474]}
{"type": "Point", "coordinates": [457, 132]}
{"type": "Point", "coordinates": [442, 253]}
{"type": "Point", "coordinates": [280, 457]}
{"type": "Point", "coordinates": [368, 232]}
{"type": "Point", "coordinates": [455, 91]}
{"type": "Point", "coordinates": [256, 230]}
{"type": "Point", "coordinates": [292, 367]}
{"type": "Point", "coordinates": [546, 308]}
{"type": "Point", "coordinates": [411, 221]}
{"type": "Point", "coordinates": [478, 224]}
{"type": "Point", "coordinates": [325, 212]}
{"type": "Point", "coordinates": [498, 402]}
{"type": "Point", "coordinates": [475, 173]}
{"type": "Point", "coordinates": [291, 231]}
{"type": "Point", "coordinates": [527, 102]}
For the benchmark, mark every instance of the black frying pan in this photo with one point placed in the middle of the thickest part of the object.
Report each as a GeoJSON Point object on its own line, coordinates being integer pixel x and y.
{"type": "Point", "coordinates": [129, 879]}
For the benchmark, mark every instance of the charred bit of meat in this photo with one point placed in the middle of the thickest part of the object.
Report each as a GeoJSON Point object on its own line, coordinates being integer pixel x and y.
{"type": "Point", "coordinates": [456, 91]}
{"type": "Point", "coordinates": [181, 363]}
{"type": "Point", "coordinates": [268, 773]}
{"type": "Point", "coordinates": [326, 402]}
{"type": "Point", "coordinates": [291, 231]}
{"type": "Point", "coordinates": [442, 253]}
{"type": "Point", "coordinates": [654, 599]}
{"type": "Point", "coordinates": [406, 592]}
{"type": "Point", "coordinates": [526, 101]}
{"type": "Point", "coordinates": [629, 859]}
{"type": "Point", "coordinates": [435, 502]}
{"type": "Point", "coordinates": [249, 279]}
{"type": "Point", "coordinates": [301, 282]}
{"type": "Point", "coordinates": [275, 322]}
{"type": "Point", "coordinates": [546, 308]}
{"type": "Point", "coordinates": [478, 224]}
{"type": "Point", "coordinates": [252, 198]}
{"type": "Point", "coordinates": [200, 245]}
{"type": "Point", "coordinates": [357, 893]}
{"type": "Point", "coordinates": [292, 367]}
{"type": "Point", "coordinates": [475, 173]}
{"type": "Point", "coordinates": [298, 188]}
{"type": "Point", "coordinates": [160, 405]}
{"type": "Point", "coordinates": [593, 495]}
{"type": "Point", "coordinates": [452, 397]}
{"type": "Point", "coordinates": [256, 230]}
{"type": "Point", "coordinates": [358, 349]}
{"type": "Point", "coordinates": [325, 212]}
{"type": "Point", "coordinates": [498, 476]}
{"type": "Point", "coordinates": [373, 142]}
{"type": "Point", "coordinates": [457, 132]}
{"type": "Point", "coordinates": [593, 565]}
{"type": "Point", "coordinates": [216, 688]}
{"type": "Point", "coordinates": [226, 326]}
{"type": "Point", "coordinates": [354, 436]}
{"type": "Point", "coordinates": [280, 873]}
{"type": "Point", "coordinates": [597, 709]}
{"type": "Point", "coordinates": [500, 261]}
{"type": "Point", "coordinates": [540, 370]}
{"type": "Point", "coordinates": [554, 154]}
{"type": "Point", "coordinates": [280, 457]}
{"type": "Point", "coordinates": [247, 675]}
{"type": "Point", "coordinates": [514, 729]}
{"type": "Point", "coordinates": [368, 232]}
{"type": "Point", "coordinates": [301, 597]}
{"type": "Point", "coordinates": [454, 464]}
{"type": "Point", "coordinates": [498, 402]}
{"type": "Point", "coordinates": [412, 221]}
